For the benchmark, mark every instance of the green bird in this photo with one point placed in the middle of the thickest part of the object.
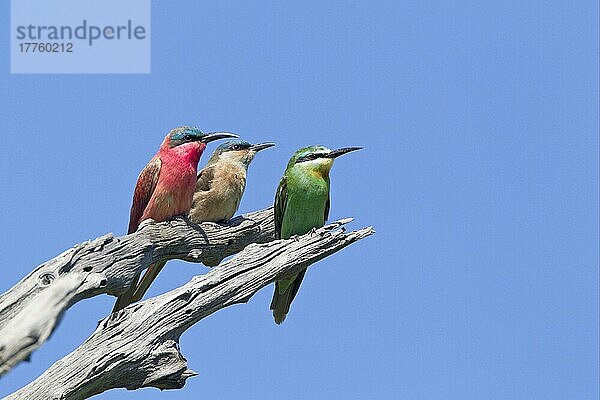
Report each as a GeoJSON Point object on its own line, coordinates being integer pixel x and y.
{"type": "Point", "coordinates": [301, 204]}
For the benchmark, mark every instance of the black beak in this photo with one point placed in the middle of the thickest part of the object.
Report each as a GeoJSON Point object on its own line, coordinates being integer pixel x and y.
{"type": "Point", "coordinates": [342, 151]}
{"type": "Point", "coordinates": [209, 137]}
{"type": "Point", "coordinates": [261, 146]}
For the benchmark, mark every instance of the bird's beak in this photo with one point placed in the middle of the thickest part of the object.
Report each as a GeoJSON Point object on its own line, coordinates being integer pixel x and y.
{"type": "Point", "coordinates": [339, 152]}
{"type": "Point", "coordinates": [209, 137]}
{"type": "Point", "coordinates": [261, 146]}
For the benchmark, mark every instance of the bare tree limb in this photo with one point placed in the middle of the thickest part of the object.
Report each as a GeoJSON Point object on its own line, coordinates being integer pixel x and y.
{"type": "Point", "coordinates": [138, 346]}
{"type": "Point", "coordinates": [30, 311]}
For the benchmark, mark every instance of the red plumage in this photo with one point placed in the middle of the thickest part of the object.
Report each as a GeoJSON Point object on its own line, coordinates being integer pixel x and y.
{"type": "Point", "coordinates": [166, 185]}
{"type": "Point", "coordinates": [164, 189]}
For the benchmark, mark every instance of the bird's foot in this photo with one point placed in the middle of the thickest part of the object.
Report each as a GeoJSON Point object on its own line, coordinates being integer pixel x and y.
{"type": "Point", "coordinates": [313, 231]}
{"type": "Point", "coordinates": [295, 238]}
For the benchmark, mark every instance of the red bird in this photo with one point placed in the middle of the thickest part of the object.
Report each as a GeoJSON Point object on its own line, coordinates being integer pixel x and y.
{"type": "Point", "coordinates": [165, 188]}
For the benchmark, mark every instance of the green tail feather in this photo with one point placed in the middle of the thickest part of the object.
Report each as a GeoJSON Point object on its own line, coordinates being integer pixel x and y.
{"type": "Point", "coordinates": [285, 291]}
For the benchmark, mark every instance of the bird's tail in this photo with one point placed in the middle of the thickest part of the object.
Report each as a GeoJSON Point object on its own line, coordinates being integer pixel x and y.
{"type": "Point", "coordinates": [136, 290]}
{"type": "Point", "coordinates": [126, 298]}
{"type": "Point", "coordinates": [285, 291]}
{"type": "Point", "coordinates": [147, 279]}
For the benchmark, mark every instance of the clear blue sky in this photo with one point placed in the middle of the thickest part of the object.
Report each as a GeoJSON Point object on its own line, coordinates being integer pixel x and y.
{"type": "Point", "coordinates": [480, 176]}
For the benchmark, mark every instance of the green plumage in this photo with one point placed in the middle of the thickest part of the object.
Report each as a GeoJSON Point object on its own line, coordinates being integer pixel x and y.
{"type": "Point", "coordinates": [301, 204]}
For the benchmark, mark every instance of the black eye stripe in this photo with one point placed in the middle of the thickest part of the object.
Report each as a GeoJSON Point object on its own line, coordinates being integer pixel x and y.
{"type": "Point", "coordinates": [309, 157]}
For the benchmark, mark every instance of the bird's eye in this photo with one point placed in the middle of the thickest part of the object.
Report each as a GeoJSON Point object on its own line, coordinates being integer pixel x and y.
{"type": "Point", "coordinates": [236, 147]}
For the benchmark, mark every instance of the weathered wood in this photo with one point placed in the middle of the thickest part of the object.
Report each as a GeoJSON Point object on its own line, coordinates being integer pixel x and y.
{"type": "Point", "coordinates": [138, 346]}
{"type": "Point", "coordinates": [30, 311]}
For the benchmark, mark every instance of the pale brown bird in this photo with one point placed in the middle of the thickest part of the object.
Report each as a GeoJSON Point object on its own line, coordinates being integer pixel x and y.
{"type": "Point", "coordinates": [222, 181]}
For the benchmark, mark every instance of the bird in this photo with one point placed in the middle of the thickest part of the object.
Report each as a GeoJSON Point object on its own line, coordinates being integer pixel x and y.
{"type": "Point", "coordinates": [302, 204]}
{"type": "Point", "coordinates": [165, 187]}
{"type": "Point", "coordinates": [219, 189]}
{"type": "Point", "coordinates": [221, 183]}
